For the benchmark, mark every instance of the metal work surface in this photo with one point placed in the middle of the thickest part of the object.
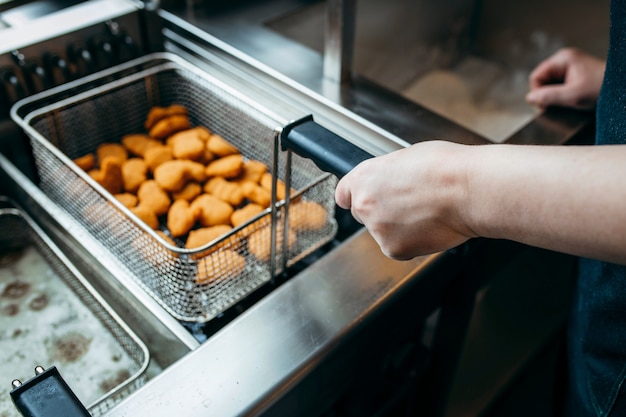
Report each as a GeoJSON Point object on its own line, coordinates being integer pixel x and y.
{"type": "Point", "coordinates": [276, 342]}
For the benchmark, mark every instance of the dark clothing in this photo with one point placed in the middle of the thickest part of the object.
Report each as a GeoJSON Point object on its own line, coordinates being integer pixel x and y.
{"type": "Point", "coordinates": [597, 327]}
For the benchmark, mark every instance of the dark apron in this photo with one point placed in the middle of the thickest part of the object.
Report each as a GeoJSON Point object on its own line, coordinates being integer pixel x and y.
{"type": "Point", "coordinates": [597, 327]}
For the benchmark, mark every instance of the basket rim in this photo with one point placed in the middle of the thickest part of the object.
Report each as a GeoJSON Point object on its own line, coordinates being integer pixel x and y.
{"type": "Point", "coordinates": [176, 63]}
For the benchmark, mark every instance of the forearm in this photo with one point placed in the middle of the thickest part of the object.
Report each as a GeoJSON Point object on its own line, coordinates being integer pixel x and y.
{"type": "Point", "coordinates": [569, 199]}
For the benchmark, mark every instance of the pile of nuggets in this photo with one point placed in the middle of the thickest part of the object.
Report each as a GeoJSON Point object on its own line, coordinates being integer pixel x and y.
{"type": "Point", "coordinates": [193, 185]}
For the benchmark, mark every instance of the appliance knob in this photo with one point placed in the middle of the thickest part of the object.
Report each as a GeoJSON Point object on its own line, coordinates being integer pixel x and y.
{"type": "Point", "coordinates": [58, 69]}
{"type": "Point", "coordinates": [82, 59]}
{"type": "Point", "coordinates": [11, 89]}
{"type": "Point", "coordinates": [20, 61]}
{"type": "Point", "coordinates": [39, 77]}
{"type": "Point", "coordinates": [127, 48]}
{"type": "Point", "coordinates": [103, 52]}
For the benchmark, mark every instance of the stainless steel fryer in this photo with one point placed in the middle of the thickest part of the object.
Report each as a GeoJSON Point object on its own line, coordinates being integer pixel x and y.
{"type": "Point", "coordinates": [71, 120]}
{"type": "Point", "coordinates": [39, 328]}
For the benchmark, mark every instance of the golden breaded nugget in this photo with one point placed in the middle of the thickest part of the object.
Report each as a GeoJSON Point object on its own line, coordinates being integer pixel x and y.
{"type": "Point", "coordinates": [127, 199]}
{"type": "Point", "coordinates": [173, 175]}
{"type": "Point", "coordinates": [189, 144]}
{"type": "Point", "coordinates": [146, 215]}
{"type": "Point", "coordinates": [109, 175]}
{"type": "Point", "coordinates": [151, 195]}
{"type": "Point", "coordinates": [188, 192]}
{"type": "Point", "coordinates": [195, 170]}
{"type": "Point", "coordinates": [157, 155]}
{"type": "Point", "coordinates": [157, 113]}
{"type": "Point", "coordinates": [307, 215]}
{"type": "Point", "coordinates": [259, 242]}
{"type": "Point", "coordinates": [252, 171]}
{"type": "Point", "coordinates": [266, 182]}
{"type": "Point", "coordinates": [227, 167]}
{"type": "Point", "coordinates": [111, 150]}
{"type": "Point", "coordinates": [221, 265]}
{"type": "Point", "coordinates": [220, 146]}
{"type": "Point", "coordinates": [134, 173]}
{"type": "Point", "coordinates": [168, 126]}
{"type": "Point", "coordinates": [245, 213]}
{"type": "Point", "coordinates": [204, 235]}
{"type": "Point", "coordinates": [256, 194]}
{"type": "Point", "coordinates": [211, 211]}
{"type": "Point", "coordinates": [230, 192]}
{"type": "Point", "coordinates": [180, 218]}
{"type": "Point", "coordinates": [207, 157]}
{"type": "Point", "coordinates": [138, 143]}
{"type": "Point", "coordinates": [86, 162]}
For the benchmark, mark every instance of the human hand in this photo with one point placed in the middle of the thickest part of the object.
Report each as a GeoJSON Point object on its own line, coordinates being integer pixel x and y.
{"type": "Point", "coordinates": [411, 200]}
{"type": "Point", "coordinates": [569, 78]}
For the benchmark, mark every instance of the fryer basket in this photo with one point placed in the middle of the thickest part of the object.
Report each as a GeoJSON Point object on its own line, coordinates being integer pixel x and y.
{"type": "Point", "coordinates": [84, 313]}
{"type": "Point", "coordinates": [63, 126]}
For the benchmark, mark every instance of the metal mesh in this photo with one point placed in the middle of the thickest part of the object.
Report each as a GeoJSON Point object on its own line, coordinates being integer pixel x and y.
{"type": "Point", "coordinates": [193, 285]}
{"type": "Point", "coordinates": [19, 232]}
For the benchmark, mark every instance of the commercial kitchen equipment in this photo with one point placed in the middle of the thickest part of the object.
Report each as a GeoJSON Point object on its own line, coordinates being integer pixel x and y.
{"type": "Point", "coordinates": [342, 324]}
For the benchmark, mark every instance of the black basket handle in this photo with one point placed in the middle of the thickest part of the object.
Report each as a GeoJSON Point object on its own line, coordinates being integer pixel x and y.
{"type": "Point", "coordinates": [330, 152]}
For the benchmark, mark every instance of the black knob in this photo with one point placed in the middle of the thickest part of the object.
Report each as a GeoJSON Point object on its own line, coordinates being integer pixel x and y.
{"type": "Point", "coordinates": [12, 84]}
{"type": "Point", "coordinates": [11, 89]}
{"type": "Point", "coordinates": [39, 77]}
{"type": "Point", "coordinates": [58, 69]}
{"type": "Point", "coordinates": [82, 59]}
{"type": "Point", "coordinates": [127, 48]}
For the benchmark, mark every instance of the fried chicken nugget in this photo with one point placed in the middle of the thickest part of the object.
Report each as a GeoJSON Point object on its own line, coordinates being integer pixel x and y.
{"type": "Point", "coordinates": [245, 213]}
{"type": "Point", "coordinates": [147, 215]}
{"type": "Point", "coordinates": [189, 144]}
{"type": "Point", "coordinates": [227, 167]}
{"type": "Point", "coordinates": [86, 162]}
{"type": "Point", "coordinates": [156, 155]}
{"type": "Point", "coordinates": [306, 215]}
{"type": "Point", "coordinates": [157, 113]}
{"type": "Point", "coordinates": [211, 211]}
{"type": "Point", "coordinates": [188, 192]}
{"type": "Point", "coordinates": [231, 192]}
{"type": "Point", "coordinates": [137, 144]}
{"type": "Point", "coordinates": [127, 199]}
{"type": "Point", "coordinates": [111, 150]}
{"type": "Point", "coordinates": [173, 175]}
{"type": "Point", "coordinates": [256, 194]}
{"type": "Point", "coordinates": [266, 182]}
{"type": "Point", "coordinates": [180, 218]}
{"type": "Point", "coordinates": [220, 146]}
{"type": "Point", "coordinates": [204, 235]}
{"type": "Point", "coordinates": [169, 125]}
{"type": "Point", "coordinates": [252, 171]}
{"type": "Point", "coordinates": [109, 175]}
{"type": "Point", "coordinates": [151, 195]}
{"type": "Point", "coordinates": [134, 173]}
{"type": "Point", "coordinates": [220, 265]}
{"type": "Point", "coordinates": [259, 242]}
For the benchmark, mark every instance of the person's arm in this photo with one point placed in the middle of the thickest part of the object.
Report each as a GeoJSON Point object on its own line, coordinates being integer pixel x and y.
{"type": "Point", "coordinates": [435, 195]}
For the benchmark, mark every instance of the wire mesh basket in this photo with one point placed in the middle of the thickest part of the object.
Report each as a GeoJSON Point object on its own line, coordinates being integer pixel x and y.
{"type": "Point", "coordinates": [193, 285]}
{"type": "Point", "coordinates": [51, 313]}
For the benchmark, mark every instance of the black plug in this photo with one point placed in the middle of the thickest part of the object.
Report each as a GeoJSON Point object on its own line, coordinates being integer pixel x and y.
{"type": "Point", "coordinates": [46, 395]}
